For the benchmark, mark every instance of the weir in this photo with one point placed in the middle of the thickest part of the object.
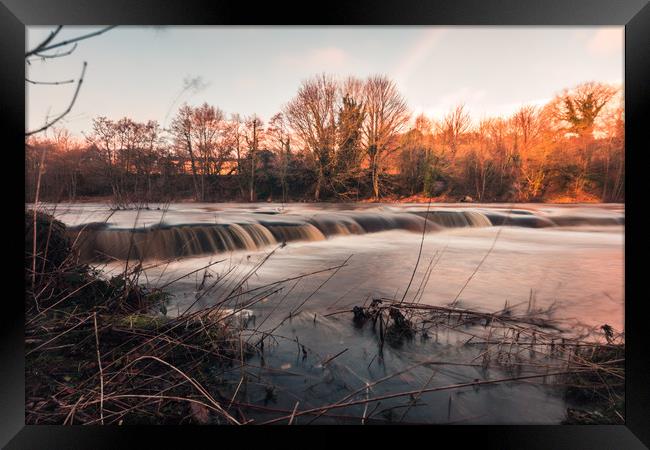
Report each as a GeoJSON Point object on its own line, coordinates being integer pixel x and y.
{"type": "Point", "coordinates": [101, 241]}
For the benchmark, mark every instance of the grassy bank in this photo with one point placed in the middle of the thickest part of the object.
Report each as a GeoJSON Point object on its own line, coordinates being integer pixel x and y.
{"type": "Point", "coordinates": [103, 350]}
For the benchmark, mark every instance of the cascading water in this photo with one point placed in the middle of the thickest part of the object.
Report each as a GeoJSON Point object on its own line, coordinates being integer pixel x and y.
{"type": "Point", "coordinates": [98, 241]}
{"type": "Point", "coordinates": [457, 219]}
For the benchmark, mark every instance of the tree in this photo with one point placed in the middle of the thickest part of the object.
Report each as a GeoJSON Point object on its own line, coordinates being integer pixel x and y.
{"type": "Point", "coordinates": [279, 141]}
{"type": "Point", "coordinates": [130, 152]}
{"type": "Point", "coordinates": [491, 158]}
{"type": "Point", "coordinates": [182, 128]}
{"type": "Point", "coordinates": [233, 137]}
{"type": "Point", "coordinates": [333, 134]}
{"type": "Point", "coordinates": [452, 128]}
{"type": "Point", "coordinates": [528, 125]}
{"type": "Point", "coordinates": [413, 161]}
{"type": "Point", "coordinates": [578, 109]}
{"type": "Point", "coordinates": [432, 161]}
{"type": "Point", "coordinates": [206, 131]}
{"type": "Point", "coordinates": [614, 155]}
{"type": "Point", "coordinates": [312, 116]}
{"type": "Point", "coordinates": [104, 138]}
{"type": "Point", "coordinates": [70, 158]}
{"type": "Point", "coordinates": [253, 133]}
{"type": "Point", "coordinates": [349, 152]}
{"type": "Point", "coordinates": [199, 133]}
{"type": "Point", "coordinates": [386, 116]}
{"type": "Point", "coordinates": [149, 154]}
{"type": "Point", "coordinates": [127, 133]}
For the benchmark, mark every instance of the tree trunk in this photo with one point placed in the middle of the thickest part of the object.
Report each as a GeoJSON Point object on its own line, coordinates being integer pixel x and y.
{"type": "Point", "coordinates": [253, 150]}
{"type": "Point", "coordinates": [318, 184]}
{"type": "Point", "coordinates": [193, 165]}
{"type": "Point", "coordinates": [374, 172]}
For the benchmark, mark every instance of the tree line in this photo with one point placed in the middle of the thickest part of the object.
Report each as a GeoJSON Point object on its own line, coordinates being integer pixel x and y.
{"type": "Point", "coordinates": [343, 140]}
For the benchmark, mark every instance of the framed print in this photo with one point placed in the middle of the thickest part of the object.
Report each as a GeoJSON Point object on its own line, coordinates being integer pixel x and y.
{"type": "Point", "coordinates": [379, 215]}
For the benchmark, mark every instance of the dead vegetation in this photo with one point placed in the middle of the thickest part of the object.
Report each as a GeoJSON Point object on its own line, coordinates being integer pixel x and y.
{"type": "Point", "coordinates": [589, 365]}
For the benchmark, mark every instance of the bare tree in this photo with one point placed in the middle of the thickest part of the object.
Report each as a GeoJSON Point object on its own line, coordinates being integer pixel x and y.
{"type": "Point", "coordinates": [233, 140]}
{"type": "Point", "coordinates": [527, 126]}
{"type": "Point", "coordinates": [207, 128]}
{"type": "Point", "coordinates": [452, 128]}
{"type": "Point", "coordinates": [279, 141]}
{"type": "Point", "coordinates": [150, 153]}
{"type": "Point", "coordinates": [130, 152]}
{"type": "Point", "coordinates": [253, 134]}
{"type": "Point", "coordinates": [527, 129]}
{"type": "Point", "coordinates": [104, 138]}
{"type": "Point", "coordinates": [182, 128]}
{"type": "Point", "coordinates": [353, 88]}
{"type": "Point", "coordinates": [68, 149]}
{"type": "Point", "coordinates": [386, 116]}
{"type": "Point", "coordinates": [312, 116]}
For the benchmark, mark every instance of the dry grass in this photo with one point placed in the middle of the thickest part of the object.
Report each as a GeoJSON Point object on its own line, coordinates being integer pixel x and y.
{"type": "Point", "coordinates": [588, 365]}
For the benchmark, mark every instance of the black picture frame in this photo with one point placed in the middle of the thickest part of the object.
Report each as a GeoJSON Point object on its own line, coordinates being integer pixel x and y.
{"type": "Point", "coordinates": [633, 14]}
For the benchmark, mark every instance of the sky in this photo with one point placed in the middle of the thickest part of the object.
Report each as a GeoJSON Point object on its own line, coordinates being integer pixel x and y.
{"type": "Point", "coordinates": [140, 72]}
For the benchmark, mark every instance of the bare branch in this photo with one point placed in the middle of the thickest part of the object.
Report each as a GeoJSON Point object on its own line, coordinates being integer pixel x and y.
{"type": "Point", "coordinates": [50, 83]}
{"type": "Point", "coordinates": [42, 45]}
{"type": "Point", "coordinates": [57, 55]}
{"type": "Point", "coordinates": [68, 109]}
{"type": "Point", "coordinates": [43, 48]}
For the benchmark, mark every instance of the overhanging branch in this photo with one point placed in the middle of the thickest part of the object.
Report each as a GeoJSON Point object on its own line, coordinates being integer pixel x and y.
{"type": "Point", "coordinates": [68, 109]}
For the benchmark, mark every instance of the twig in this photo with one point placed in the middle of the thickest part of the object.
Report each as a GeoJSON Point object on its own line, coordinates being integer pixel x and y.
{"type": "Point", "coordinates": [293, 414]}
{"type": "Point", "coordinates": [47, 40]}
{"type": "Point", "coordinates": [417, 263]}
{"type": "Point", "coordinates": [334, 357]}
{"type": "Point", "coordinates": [49, 83]}
{"type": "Point", "coordinates": [68, 109]}
{"type": "Point", "coordinates": [101, 373]}
{"type": "Point", "coordinates": [43, 47]}
{"type": "Point", "coordinates": [421, 391]}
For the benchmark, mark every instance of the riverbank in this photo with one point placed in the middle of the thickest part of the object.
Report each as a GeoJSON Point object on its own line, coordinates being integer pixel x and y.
{"type": "Point", "coordinates": [103, 350]}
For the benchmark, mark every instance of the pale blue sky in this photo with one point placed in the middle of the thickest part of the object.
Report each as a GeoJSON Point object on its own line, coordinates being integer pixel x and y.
{"type": "Point", "coordinates": [139, 71]}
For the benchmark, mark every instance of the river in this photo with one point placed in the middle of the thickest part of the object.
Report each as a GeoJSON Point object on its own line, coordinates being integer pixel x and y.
{"type": "Point", "coordinates": [569, 258]}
